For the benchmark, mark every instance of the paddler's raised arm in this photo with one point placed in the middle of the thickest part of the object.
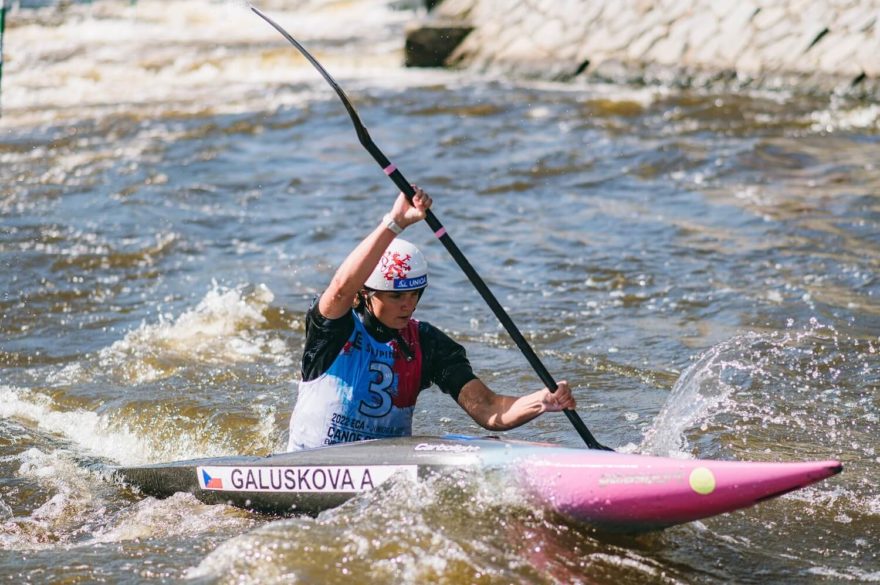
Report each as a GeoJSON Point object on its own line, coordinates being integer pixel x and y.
{"type": "Point", "coordinates": [351, 275]}
{"type": "Point", "coordinates": [497, 412]}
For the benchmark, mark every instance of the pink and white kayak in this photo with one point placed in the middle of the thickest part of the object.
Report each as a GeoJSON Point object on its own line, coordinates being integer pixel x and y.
{"type": "Point", "coordinates": [613, 491]}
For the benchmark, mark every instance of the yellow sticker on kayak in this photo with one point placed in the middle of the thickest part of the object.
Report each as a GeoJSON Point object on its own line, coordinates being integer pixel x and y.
{"type": "Point", "coordinates": [702, 480]}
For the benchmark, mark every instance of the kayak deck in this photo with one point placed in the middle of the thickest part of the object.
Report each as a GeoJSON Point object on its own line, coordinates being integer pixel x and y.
{"type": "Point", "coordinates": [621, 492]}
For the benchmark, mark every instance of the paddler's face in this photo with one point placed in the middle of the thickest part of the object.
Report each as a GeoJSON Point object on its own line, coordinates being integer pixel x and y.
{"type": "Point", "coordinates": [394, 309]}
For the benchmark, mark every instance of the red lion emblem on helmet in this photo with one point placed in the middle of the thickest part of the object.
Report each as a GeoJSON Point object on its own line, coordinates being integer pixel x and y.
{"type": "Point", "coordinates": [395, 265]}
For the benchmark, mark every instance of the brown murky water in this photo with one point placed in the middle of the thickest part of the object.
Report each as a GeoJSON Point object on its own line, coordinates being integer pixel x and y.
{"type": "Point", "coordinates": [176, 185]}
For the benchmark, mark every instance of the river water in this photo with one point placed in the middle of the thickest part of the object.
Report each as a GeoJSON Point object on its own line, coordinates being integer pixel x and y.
{"type": "Point", "coordinates": [178, 184]}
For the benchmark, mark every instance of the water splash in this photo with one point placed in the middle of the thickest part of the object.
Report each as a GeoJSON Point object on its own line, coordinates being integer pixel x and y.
{"type": "Point", "coordinates": [702, 390]}
{"type": "Point", "coordinates": [92, 431]}
{"type": "Point", "coordinates": [759, 394]}
{"type": "Point", "coordinates": [73, 499]}
{"type": "Point", "coordinates": [111, 435]}
{"type": "Point", "coordinates": [80, 506]}
{"type": "Point", "coordinates": [154, 58]}
{"type": "Point", "coordinates": [842, 118]}
{"type": "Point", "coordinates": [223, 328]}
{"type": "Point", "coordinates": [178, 516]}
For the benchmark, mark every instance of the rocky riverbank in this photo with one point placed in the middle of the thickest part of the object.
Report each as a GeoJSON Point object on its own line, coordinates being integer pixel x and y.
{"type": "Point", "coordinates": [824, 46]}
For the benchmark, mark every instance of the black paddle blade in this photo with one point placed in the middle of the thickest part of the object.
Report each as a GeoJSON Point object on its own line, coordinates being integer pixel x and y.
{"type": "Point", "coordinates": [359, 127]}
{"type": "Point", "coordinates": [582, 429]}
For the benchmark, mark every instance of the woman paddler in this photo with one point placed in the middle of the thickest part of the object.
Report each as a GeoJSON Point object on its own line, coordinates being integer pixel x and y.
{"type": "Point", "coordinates": [366, 359]}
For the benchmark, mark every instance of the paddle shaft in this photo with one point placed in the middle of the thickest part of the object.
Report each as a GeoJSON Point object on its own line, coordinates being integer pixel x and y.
{"type": "Point", "coordinates": [496, 307]}
{"type": "Point", "coordinates": [440, 232]}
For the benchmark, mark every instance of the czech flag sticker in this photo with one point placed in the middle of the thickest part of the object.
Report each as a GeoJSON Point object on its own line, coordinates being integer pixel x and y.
{"type": "Point", "coordinates": [211, 483]}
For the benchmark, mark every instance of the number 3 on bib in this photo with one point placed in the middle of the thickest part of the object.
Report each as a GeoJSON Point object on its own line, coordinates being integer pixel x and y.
{"type": "Point", "coordinates": [380, 392]}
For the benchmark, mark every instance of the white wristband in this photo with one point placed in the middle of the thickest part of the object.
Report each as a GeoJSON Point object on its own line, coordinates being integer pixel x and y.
{"type": "Point", "coordinates": [390, 224]}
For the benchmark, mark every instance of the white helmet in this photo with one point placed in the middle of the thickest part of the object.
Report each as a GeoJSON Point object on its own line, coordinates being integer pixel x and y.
{"type": "Point", "coordinates": [402, 267]}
